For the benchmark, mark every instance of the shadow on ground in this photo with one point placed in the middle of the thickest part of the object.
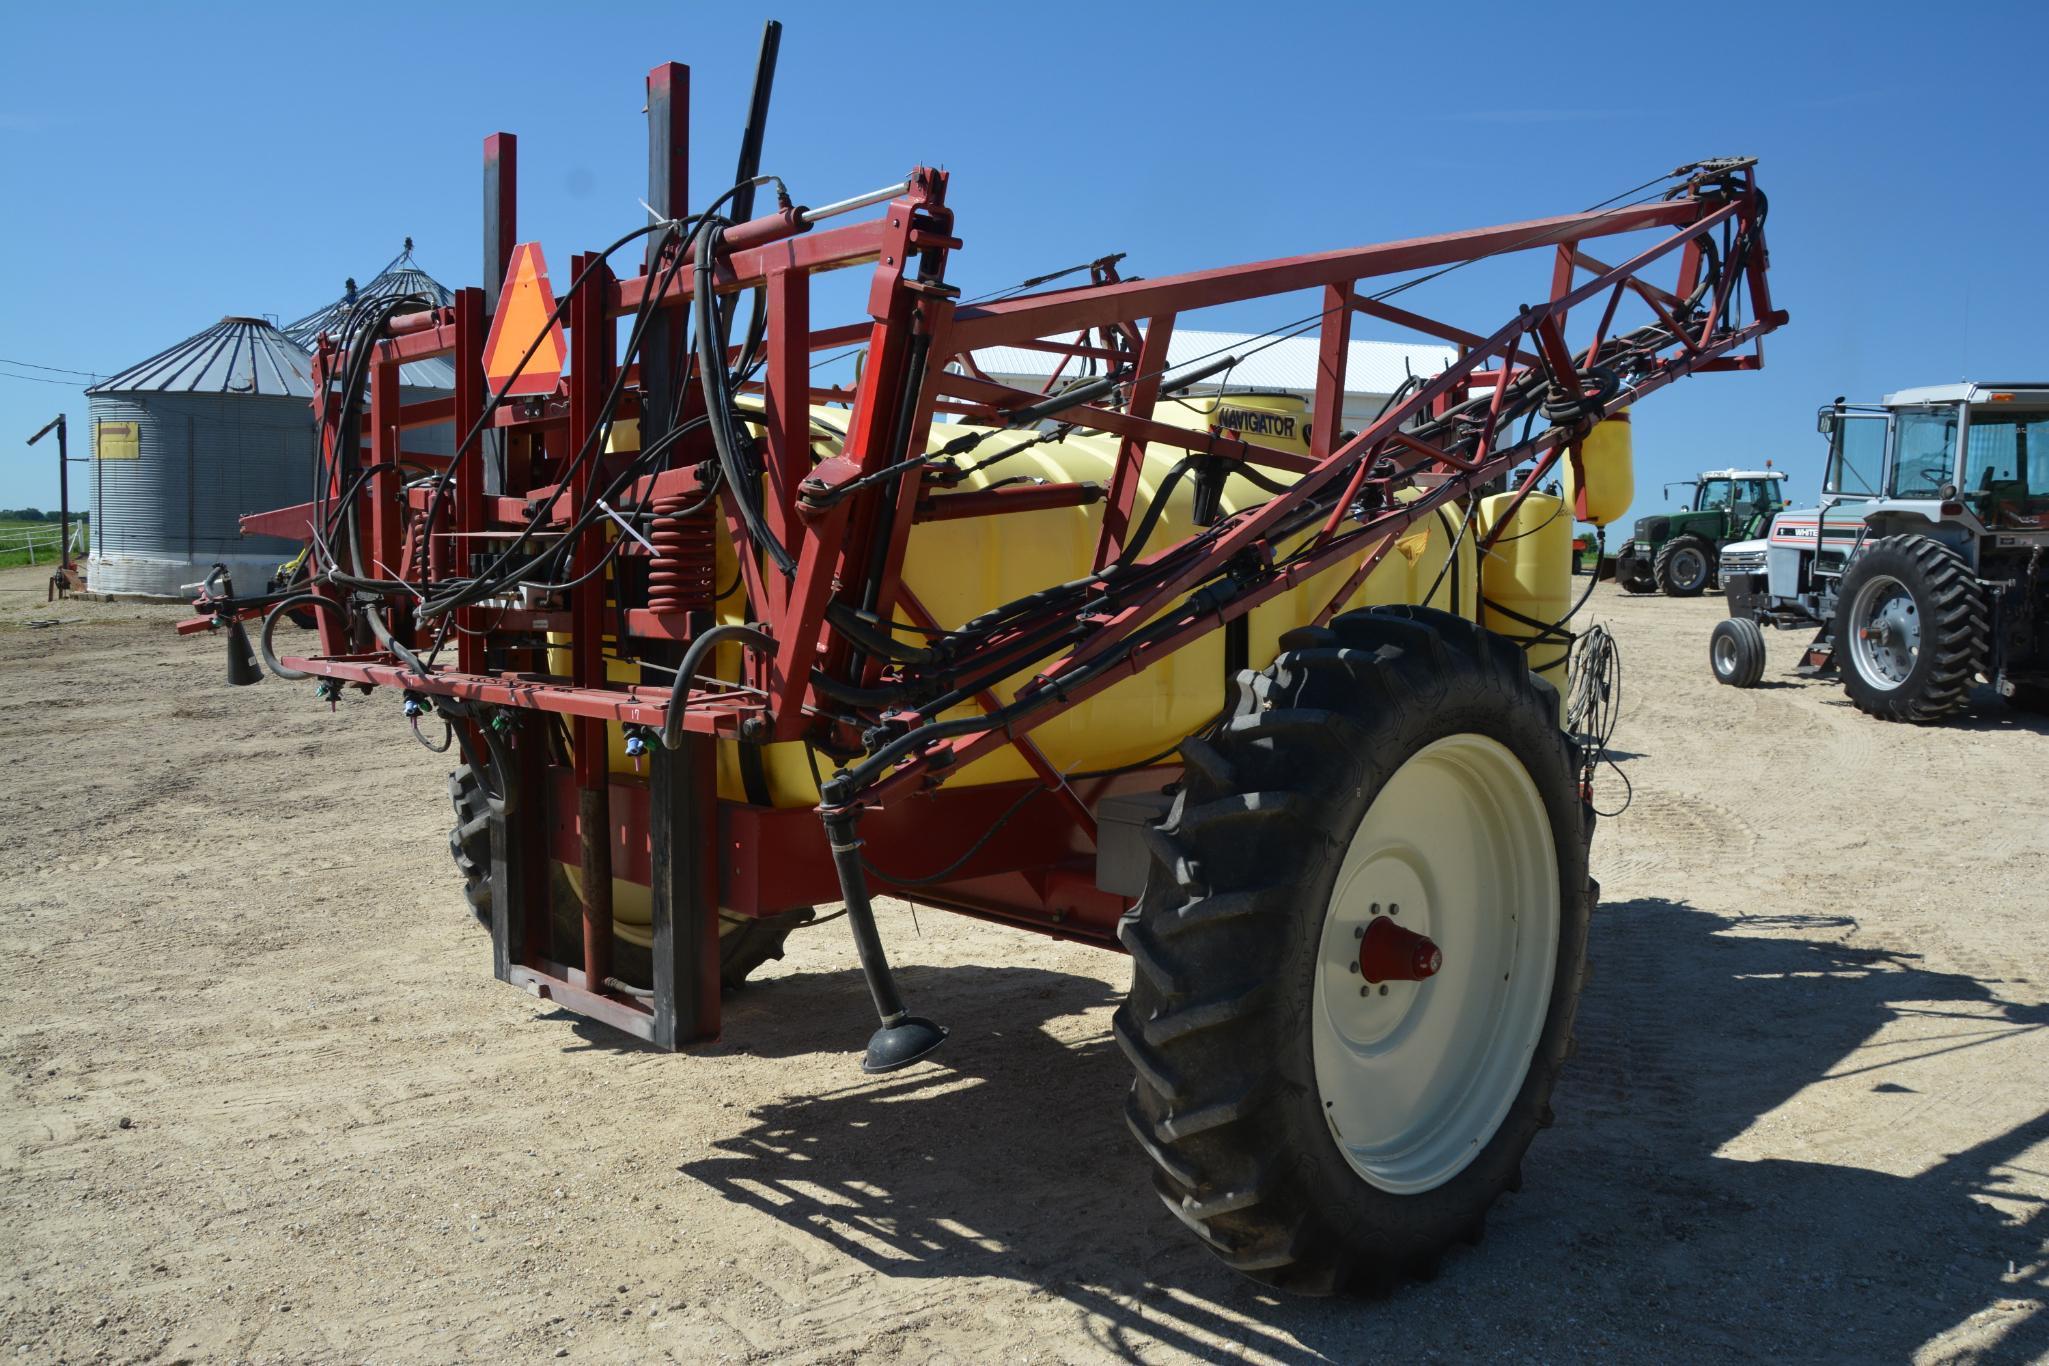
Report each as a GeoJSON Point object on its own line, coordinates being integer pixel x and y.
{"type": "Point", "coordinates": [1986, 711]}
{"type": "Point", "coordinates": [1632, 1236]}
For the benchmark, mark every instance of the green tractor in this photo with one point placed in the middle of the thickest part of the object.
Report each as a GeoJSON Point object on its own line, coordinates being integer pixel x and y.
{"type": "Point", "coordinates": [1678, 553]}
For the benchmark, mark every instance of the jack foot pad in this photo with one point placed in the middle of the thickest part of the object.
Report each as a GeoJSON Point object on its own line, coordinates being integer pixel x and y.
{"type": "Point", "coordinates": [901, 1043]}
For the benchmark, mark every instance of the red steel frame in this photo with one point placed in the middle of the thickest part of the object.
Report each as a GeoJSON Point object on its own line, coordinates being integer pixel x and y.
{"type": "Point", "coordinates": [706, 856]}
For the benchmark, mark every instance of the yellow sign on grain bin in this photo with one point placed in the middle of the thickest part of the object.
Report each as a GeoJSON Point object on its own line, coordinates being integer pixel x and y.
{"type": "Point", "coordinates": [116, 441]}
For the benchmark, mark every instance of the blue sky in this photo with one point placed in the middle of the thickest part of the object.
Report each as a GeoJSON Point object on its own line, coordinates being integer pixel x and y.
{"type": "Point", "coordinates": [163, 166]}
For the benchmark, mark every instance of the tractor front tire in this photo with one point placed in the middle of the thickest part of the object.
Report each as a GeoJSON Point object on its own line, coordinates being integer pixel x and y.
{"type": "Point", "coordinates": [1736, 652]}
{"type": "Point", "coordinates": [1322, 1123]}
{"type": "Point", "coordinates": [1912, 627]}
{"type": "Point", "coordinates": [1684, 567]}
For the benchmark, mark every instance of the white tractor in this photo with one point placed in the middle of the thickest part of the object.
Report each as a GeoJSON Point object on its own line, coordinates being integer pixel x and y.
{"type": "Point", "coordinates": [1921, 570]}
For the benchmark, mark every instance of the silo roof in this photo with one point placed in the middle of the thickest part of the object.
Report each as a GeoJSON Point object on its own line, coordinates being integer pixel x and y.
{"type": "Point", "coordinates": [401, 275]}
{"type": "Point", "coordinates": [234, 356]}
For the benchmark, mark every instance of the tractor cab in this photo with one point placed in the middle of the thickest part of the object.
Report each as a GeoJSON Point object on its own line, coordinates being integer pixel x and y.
{"type": "Point", "coordinates": [1747, 498]}
{"type": "Point", "coordinates": [1961, 462]}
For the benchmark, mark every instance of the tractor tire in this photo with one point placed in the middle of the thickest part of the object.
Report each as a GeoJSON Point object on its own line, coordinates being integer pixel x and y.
{"type": "Point", "coordinates": [744, 944]}
{"type": "Point", "coordinates": [1405, 757]}
{"type": "Point", "coordinates": [1685, 566]}
{"type": "Point", "coordinates": [1736, 652]}
{"type": "Point", "coordinates": [1634, 575]}
{"type": "Point", "coordinates": [1912, 627]}
{"type": "Point", "coordinates": [469, 843]}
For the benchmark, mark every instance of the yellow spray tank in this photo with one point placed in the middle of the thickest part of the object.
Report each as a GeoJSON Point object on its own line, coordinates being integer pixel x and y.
{"type": "Point", "coordinates": [1526, 577]}
{"type": "Point", "coordinates": [1606, 457]}
{"type": "Point", "coordinates": [958, 569]}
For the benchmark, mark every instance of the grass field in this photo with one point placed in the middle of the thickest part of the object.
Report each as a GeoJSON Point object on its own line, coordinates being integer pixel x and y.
{"type": "Point", "coordinates": [12, 539]}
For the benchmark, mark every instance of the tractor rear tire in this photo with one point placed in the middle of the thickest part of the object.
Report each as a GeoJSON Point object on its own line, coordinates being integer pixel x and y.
{"type": "Point", "coordinates": [744, 945]}
{"type": "Point", "coordinates": [1685, 566]}
{"type": "Point", "coordinates": [1911, 629]}
{"type": "Point", "coordinates": [1263, 1053]}
{"type": "Point", "coordinates": [1736, 652]}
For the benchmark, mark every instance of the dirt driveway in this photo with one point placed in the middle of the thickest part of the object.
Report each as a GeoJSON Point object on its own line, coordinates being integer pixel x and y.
{"type": "Point", "coordinates": [274, 1107]}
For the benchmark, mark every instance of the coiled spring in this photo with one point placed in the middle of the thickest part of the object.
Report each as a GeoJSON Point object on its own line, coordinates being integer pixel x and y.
{"type": "Point", "coordinates": [681, 573]}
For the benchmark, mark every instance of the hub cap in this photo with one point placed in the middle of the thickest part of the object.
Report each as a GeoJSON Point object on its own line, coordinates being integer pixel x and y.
{"type": "Point", "coordinates": [1885, 635]}
{"type": "Point", "coordinates": [1689, 567]}
{"type": "Point", "coordinates": [1725, 656]}
{"type": "Point", "coordinates": [1449, 892]}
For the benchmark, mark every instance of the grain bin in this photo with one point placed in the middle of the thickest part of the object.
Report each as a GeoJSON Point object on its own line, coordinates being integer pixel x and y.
{"type": "Point", "coordinates": [184, 444]}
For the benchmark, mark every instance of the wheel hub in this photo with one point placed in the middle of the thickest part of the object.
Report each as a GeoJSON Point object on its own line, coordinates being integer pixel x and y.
{"type": "Point", "coordinates": [1887, 632]}
{"type": "Point", "coordinates": [1389, 953]}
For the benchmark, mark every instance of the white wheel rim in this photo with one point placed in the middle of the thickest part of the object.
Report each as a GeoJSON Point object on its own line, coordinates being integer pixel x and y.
{"type": "Point", "coordinates": [1725, 655]}
{"type": "Point", "coordinates": [1885, 624]}
{"type": "Point", "coordinates": [1415, 1080]}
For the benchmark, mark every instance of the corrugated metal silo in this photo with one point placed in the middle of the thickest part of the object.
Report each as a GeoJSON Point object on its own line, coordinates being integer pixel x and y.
{"type": "Point", "coordinates": [187, 442]}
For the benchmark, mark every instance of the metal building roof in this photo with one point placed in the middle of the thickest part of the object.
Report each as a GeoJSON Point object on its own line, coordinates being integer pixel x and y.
{"type": "Point", "coordinates": [1371, 367]}
{"type": "Point", "coordinates": [234, 356]}
{"type": "Point", "coordinates": [401, 275]}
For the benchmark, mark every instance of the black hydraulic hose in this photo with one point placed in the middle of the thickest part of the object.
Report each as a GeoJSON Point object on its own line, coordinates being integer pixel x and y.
{"type": "Point", "coordinates": [469, 441]}
{"type": "Point", "coordinates": [1136, 545]}
{"type": "Point", "coordinates": [718, 404]}
{"type": "Point", "coordinates": [852, 696]}
{"type": "Point", "coordinates": [482, 587]}
{"type": "Point", "coordinates": [270, 620]}
{"type": "Point", "coordinates": [374, 614]}
{"type": "Point", "coordinates": [846, 857]}
{"type": "Point", "coordinates": [1009, 662]}
{"type": "Point", "coordinates": [873, 637]}
{"type": "Point", "coordinates": [847, 783]}
{"type": "Point", "coordinates": [883, 529]}
{"type": "Point", "coordinates": [700, 647]}
{"type": "Point", "coordinates": [627, 474]}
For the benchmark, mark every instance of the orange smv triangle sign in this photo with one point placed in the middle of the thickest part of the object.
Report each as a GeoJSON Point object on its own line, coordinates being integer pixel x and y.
{"type": "Point", "coordinates": [525, 306]}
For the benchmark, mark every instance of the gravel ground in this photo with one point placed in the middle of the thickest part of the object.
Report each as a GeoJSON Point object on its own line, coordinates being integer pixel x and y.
{"type": "Point", "coordinates": [273, 1108]}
